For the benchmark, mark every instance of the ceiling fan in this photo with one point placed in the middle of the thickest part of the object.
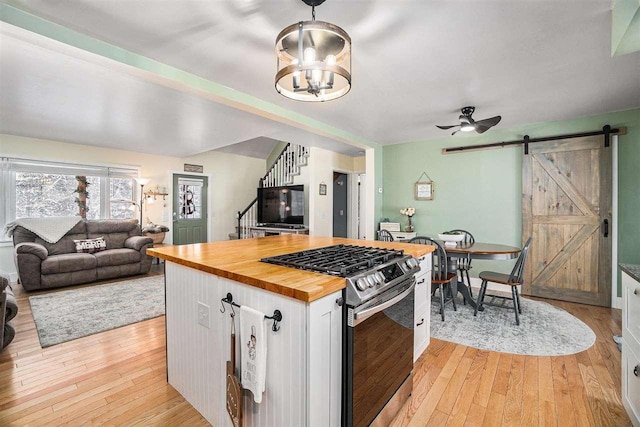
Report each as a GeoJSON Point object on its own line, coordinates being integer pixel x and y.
{"type": "Point", "coordinates": [467, 124]}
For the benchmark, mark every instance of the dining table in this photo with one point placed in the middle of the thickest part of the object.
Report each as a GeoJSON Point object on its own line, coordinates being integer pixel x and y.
{"type": "Point", "coordinates": [475, 250]}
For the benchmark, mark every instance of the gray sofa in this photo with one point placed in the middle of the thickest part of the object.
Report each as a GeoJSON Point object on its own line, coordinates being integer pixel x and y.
{"type": "Point", "coordinates": [43, 265]}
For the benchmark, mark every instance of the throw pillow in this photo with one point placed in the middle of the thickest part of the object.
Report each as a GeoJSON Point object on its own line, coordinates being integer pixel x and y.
{"type": "Point", "coordinates": [89, 246]}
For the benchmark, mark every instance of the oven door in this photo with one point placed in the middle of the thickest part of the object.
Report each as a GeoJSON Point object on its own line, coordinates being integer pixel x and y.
{"type": "Point", "coordinates": [378, 353]}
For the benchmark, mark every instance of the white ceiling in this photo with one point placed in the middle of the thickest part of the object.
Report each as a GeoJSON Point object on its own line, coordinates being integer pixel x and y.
{"type": "Point", "coordinates": [415, 63]}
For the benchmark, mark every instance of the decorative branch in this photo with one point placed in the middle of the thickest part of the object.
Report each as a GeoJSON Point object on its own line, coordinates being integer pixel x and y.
{"type": "Point", "coordinates": [83, 194]}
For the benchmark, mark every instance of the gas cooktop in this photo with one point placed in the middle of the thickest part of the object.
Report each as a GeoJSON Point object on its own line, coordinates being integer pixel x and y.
{"type": "Point", "coordinates": [369, 271]}
{"type": "Point", "coordinates": [338, 260]}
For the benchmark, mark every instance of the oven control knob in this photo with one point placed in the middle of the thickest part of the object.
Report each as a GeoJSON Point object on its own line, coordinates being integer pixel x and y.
{"type": "Point", "coordinates": [371, 280]}
{"type": "Point", "coordinates": [380, 277]}
{"type": "Point", "coordinates": [361, 283]}
{"type": "Point", "coordinates": [411, 262]}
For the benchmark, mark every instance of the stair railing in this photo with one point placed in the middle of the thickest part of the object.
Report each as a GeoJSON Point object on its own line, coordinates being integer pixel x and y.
{"type": "Point", "coordinates": [286, 166]}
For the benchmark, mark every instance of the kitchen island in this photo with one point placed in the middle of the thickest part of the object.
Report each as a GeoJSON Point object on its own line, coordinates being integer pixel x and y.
{"type": "Point", "coordinates": [303, 382]}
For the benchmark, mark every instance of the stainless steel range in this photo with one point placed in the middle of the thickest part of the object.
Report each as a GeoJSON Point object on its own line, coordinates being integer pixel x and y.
{"type": "Point", "coordinates": [377, 326]}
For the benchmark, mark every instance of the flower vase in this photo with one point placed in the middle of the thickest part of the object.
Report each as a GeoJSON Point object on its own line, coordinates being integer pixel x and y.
{"type": "Point", "coordinates": [409, 228]}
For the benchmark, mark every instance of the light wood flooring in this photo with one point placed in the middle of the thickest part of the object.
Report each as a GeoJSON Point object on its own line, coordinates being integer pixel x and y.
{"type": "Point", "coordinates": [118, 378]}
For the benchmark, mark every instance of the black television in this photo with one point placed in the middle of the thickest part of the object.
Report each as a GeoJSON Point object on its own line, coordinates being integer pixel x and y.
{"type": "Point", "coordinates": [281, 205]}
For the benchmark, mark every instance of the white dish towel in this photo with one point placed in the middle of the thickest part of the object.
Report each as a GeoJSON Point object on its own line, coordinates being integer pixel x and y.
{"type": "Point", "coordinates": [253, 354]}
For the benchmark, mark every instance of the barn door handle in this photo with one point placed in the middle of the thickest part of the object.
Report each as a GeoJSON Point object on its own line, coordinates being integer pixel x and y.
{"type": "Point", "coordinates": [606, 228]}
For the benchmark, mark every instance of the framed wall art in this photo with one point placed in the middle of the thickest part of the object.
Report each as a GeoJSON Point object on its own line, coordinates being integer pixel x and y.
{"type": "Point", "coordinates": [423, 190]}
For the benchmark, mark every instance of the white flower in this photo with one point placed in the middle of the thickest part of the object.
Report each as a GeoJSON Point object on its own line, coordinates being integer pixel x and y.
{"type": "Point", "coordinates": [408, 212]}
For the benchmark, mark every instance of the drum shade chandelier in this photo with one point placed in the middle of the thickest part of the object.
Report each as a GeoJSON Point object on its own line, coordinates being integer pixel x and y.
{"type": "Point", "coordinates": [314, 60]}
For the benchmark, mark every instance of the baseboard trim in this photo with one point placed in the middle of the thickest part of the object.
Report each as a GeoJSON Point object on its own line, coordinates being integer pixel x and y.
{"type": "Point", "coordinates": [616, 303]}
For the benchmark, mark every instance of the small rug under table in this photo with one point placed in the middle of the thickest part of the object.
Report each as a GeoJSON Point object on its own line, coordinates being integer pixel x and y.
{"type": "Point", "coordinates": [74, 313]}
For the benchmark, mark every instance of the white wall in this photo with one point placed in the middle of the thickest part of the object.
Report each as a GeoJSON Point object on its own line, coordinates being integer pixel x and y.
{"type": "Point", "coordinates": [232, 186]}
{"type": "Point", "coordinates": [322, 164]}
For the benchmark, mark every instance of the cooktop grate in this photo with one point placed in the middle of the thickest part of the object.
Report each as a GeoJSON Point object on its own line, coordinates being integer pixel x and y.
{"type": "Point", "coordinates": [338, 260]}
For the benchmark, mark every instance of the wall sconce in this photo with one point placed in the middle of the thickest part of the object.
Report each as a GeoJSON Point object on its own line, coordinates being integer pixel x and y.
{"type": "Point", "coordinates": [152, 195]}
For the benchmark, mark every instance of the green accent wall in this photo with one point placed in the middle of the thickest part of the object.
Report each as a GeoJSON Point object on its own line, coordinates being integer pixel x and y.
{"type": "Point", "coordinates": [481, 191]}
{"type": "Point", "coordinates": [379, 180]}
{"type": "Point", "coordinates": [625, 27]}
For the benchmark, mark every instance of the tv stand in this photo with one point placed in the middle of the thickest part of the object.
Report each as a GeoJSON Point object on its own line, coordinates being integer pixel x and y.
{"type": "Point", "coordinates": [265, 230]}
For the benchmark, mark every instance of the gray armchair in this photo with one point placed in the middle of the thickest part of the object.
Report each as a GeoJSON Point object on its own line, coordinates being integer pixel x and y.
{"type": "Point", "coordinates": [8, 310]}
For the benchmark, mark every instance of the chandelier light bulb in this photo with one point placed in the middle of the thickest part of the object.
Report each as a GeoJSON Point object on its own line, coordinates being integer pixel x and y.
{"type": "Point", "coordinates": [316, 77]}
{"type": "Point", "coordinates": [309, 54]}
{"type": "Point", "coordinates": [296, 76]}
{"type": "Point", "coordinates": [330, 60]}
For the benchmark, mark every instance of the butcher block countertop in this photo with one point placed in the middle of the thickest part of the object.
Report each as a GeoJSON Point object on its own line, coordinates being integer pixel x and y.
{"type": "Point", "coordinates": [239, 260]}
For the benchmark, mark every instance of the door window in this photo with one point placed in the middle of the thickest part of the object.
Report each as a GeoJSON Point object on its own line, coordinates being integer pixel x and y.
{"type": "Point", "coordinates": [190, 198]}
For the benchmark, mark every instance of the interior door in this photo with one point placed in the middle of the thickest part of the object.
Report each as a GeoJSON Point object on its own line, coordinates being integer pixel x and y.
{"type": "Point", "coordinates": [340, 200]}
{"type": "Point", "coordinates": [189, 209]}
{"type": "Point", "coordinates": [566, 207]}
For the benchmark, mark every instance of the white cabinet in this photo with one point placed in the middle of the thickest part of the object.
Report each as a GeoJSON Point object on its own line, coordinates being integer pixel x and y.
{"type": "Point", "coordinates": [304, 369]}
{"type": "Point", "coordinates": [422, 307]}
{"type": "Point", "coordinates": [402, 236]}
{"type": "Point", "coordinates": [324, 368]}
{"type": "Point", "coordinates": [631, 385]}
{"type": "Point", "coordinates": [631, 347]}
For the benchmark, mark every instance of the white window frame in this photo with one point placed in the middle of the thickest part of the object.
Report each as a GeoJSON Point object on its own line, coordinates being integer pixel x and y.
{"type": "Point", "coordinates": [9, 166]}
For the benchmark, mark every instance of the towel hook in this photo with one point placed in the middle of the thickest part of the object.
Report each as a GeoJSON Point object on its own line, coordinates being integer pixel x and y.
{"type": "Point", "coordinates": [229, 300]}
{"type": "Point", "coordinates": [277, 317]}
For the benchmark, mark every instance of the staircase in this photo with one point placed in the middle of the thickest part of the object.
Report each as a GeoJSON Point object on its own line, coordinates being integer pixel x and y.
{"type": "Point", "coordinates": [282, 172]}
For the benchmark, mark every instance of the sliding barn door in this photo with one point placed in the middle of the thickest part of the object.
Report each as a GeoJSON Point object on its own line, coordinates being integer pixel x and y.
{"type": "Point", "coordinates": [566, 207]}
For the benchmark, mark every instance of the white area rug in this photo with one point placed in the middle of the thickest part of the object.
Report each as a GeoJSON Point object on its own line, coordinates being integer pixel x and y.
{"type": "Point", "coordinates": [545, 330]}
{"type": "Point", "coordinates": [74, 313]}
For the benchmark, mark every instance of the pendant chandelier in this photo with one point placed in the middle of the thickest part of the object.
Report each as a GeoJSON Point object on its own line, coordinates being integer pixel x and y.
{"type": "Point", "coordinates": [314, 60]}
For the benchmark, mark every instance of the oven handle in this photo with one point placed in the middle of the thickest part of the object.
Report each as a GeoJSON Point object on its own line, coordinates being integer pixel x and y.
{"type": "Point", "coordinates": [366, 313]}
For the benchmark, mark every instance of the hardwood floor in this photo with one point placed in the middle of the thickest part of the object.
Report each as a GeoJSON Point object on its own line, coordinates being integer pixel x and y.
{"type": "Point", "coordinates": [464, 386]}
{"type": "Point", "coordinates": [118, 378]}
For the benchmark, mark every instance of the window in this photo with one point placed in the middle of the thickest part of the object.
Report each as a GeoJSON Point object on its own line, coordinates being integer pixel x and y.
{"type": "Point", "coordinates": [33, 189]}
{"type": "Point", "coordinates": [190, 198]}
{"type": "Point", "coordinates": [40, 195]}
{"type": "Point", "coordinates": [121, 190]}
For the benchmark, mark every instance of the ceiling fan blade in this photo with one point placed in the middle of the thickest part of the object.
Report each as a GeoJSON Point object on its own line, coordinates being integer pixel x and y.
{"type": "Point", "coordinates": [446, 127]}
{"type": "Point", "coordinates": [489, 122]}
{"type": "Point", "coordinates": [483, 125]}
{"type": "Point", "coordinates": [455, 132]}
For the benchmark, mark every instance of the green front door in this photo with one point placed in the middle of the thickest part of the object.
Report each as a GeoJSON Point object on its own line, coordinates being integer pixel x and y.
{"type": "Point", "coordinates": [189, 209]}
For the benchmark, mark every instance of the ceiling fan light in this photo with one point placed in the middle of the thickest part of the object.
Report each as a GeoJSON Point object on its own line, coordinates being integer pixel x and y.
{"type": "Point", "coordinates": [323, 52]}
{"type": "Point", "coordinates": [467, 127]}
